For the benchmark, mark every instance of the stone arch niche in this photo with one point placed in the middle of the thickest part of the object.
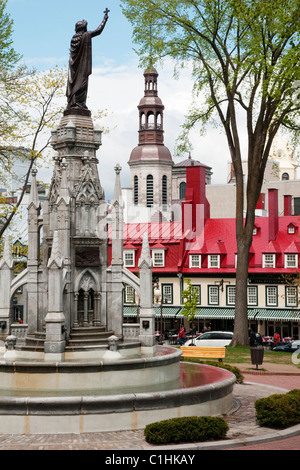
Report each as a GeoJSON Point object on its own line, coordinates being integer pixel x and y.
{"type": "Point", "coordinates": [88, 195]}
{"type": "Point", "coordinates": [87, 298]}
{"type": "Point", "coordinates": [86, 209]}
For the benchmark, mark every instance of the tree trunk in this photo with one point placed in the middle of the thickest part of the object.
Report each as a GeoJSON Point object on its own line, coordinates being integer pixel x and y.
{"type": "Point", "coordinates": [241, 302]}
{"type": "Point", "coordinates": [244, 232]}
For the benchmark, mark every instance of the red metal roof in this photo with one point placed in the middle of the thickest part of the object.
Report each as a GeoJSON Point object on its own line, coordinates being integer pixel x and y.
{"type": "Point", "coordinates": [218, 237]}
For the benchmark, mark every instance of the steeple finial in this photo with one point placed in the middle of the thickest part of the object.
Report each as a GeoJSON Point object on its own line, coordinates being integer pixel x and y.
{"type": "Point", "coordinates": [64, 187]}
{"type": "Point", "coordinates": [56, 256]}
{"type": "Point", "coordinates": [118, 190]}
{"type": "Point", "coordinates": [7, 259]}
{"type": "Point", "coordinates": [34, 198]}
{"type": "Point", "coordinates": [145, 258]}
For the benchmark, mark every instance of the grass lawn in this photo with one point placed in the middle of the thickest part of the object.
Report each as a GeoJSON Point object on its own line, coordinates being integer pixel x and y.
{"type": "Point", "coordinates": [241, 355]}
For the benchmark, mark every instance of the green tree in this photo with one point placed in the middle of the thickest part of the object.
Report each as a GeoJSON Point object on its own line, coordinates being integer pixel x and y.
{"type": "Point", "coordinates": [37, 108]}
{"type": "Point", "coordinates": [10, 71]}
{"type": "Point", "coordinates": [8, 56]}
{"type": "Point", "coordinates": [246, 71]}
{"type": "Point", "coordinates": [190, 296]}
{"type": "Point", "coordinates": [28, 109]}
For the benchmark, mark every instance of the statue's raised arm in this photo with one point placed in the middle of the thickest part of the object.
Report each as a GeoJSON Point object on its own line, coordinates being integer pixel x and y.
{"type": "Point", "coordinates": [102, 25]}
{"type": "Point", "coordinates": [80, 63]}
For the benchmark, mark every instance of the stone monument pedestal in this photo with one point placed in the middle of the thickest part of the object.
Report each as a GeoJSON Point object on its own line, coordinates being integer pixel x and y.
{"type": "Point", "coordinates": [54, 346]}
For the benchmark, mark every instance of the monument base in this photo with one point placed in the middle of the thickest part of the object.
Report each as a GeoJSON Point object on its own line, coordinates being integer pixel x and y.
{"type": "Point", "coordinates": [78, 111]}
{"type": "Point", "coordinates": [55, 347]}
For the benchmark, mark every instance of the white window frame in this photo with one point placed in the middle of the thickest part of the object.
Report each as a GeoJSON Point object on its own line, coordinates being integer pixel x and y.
{"type": "Point", "coordinates": [291, 229]}
{"type": "Point", "coordinates": [197, 288]}
{"type": "Point", "coordinates": [167, 293]}
{"type": "Point", "coordinates": [129, 262]}
{"type": "Point", "coordinates": [195, 261]}
{"type": "Point", "coordinates": [270, 296]}
{"type": "Point", "coordinates": [252, 295]}
{"type": "Point", "coordinates": [156, 263]}
{"type": "Point", "coordinates": [230, 295]}
{"type": "Point", "coordinates": [291, 260]}
{"type": "Point", "coordinates": [291, 296]}
{"type": "Point", "coordinates": [213, 293]}
{"type": "Point", "coordinates": [129, 295]}
{"type": "Point", "coordinates": [214, 261]}
{"type": "Point", "coordinates": [269, 260]}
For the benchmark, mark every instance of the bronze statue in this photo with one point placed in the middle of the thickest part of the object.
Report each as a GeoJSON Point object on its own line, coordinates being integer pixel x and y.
{"type": "Point", "coordinates": [80, 63]}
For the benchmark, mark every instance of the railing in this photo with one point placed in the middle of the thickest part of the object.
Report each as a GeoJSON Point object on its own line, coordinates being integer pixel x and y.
{"type": "Point", "coordinates": [19, 330]}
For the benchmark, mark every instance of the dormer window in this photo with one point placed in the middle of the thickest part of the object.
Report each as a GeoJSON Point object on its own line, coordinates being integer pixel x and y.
{"type": "Point", "coordinates": [158, 257]}
{"type": "Point", "coordinates": [195, 261]}
{"type": "Point", "coordinates": [291, 229]}
{"type": "Point", "coordinates": [291, 261]}
{"type": "Point", "coordinates": [129, 258]}
{"type": "Point", "coordinates": [214, 261]}
{"type": "Point", "coordinates": [269, 261]}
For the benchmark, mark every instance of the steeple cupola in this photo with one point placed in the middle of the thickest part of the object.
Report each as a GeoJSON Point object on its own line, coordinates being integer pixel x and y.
{"type": "Point", "coordinates": [151, 111]}
{"type": "Point", "coordinates": [151, 161]}
{"type": "Point", "coordinates": [151, 133]}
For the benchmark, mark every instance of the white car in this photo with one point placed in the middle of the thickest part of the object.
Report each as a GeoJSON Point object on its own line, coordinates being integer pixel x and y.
{"type": "Point", "coordinates": [213, 339]}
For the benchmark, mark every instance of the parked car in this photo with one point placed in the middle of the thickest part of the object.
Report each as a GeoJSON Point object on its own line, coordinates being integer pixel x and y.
{"type": "Point", "coordinates": [288, 347]}
{"type": "Point", "coordinates": [213, 339]}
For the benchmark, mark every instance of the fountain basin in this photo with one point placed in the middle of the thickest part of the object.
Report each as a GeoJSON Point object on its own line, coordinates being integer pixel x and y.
{"type": "Point", "coordinates": [84, 375]}
{"type": "Point", "coordinates": [198, 390]}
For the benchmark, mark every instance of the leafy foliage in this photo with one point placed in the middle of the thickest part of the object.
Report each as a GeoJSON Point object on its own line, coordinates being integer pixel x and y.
{"type": "Point", "coordinates": [190, 297]}
{"type": "Point", "coordinates": [244, 57]}
{"type": "Point", "coordinates": [29, 106]}
{"type": "Point", "coordinates": [34, 107]}
{"type": "Point", "coordinates": [280, 410]}
{"type": "Point", "coordinates": [186, 430]}
{"type": "Point", "coordinates": [8, 56]}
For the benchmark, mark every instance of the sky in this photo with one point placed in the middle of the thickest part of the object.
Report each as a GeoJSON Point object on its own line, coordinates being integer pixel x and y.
{"type": "Point", "coordinates": [42, 34]}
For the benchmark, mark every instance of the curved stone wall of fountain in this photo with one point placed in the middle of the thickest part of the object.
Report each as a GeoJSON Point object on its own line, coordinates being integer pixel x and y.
{"type": "Point", "coordinates": [76, 397]}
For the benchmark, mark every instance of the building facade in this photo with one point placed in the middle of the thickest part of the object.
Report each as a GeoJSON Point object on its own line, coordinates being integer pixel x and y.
{"type": "Point", "coordinates": [203, 249]}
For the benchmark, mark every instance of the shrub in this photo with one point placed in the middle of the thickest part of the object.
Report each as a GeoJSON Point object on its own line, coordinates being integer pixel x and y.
{"type": "Point", "coordinates": [187, 429]}
{"type": "Point", "coordinates": [279, 411]}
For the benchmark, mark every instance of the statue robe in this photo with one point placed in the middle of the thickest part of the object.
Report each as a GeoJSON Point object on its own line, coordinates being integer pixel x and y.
{"type": "Point", "coordinates": [80, 68]}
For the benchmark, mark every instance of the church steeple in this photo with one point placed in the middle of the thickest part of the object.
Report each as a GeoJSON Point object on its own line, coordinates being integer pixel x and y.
{"type": "Point", "coordinates": [151, 111]}
{"type": "Point", "coordinates": [151, 132]}
{"type": "Point", "coordinates": [151, 161]}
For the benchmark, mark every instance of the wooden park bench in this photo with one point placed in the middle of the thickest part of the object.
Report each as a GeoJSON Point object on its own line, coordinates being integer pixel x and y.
{"type": "Point", "coordinates": [203, 353]}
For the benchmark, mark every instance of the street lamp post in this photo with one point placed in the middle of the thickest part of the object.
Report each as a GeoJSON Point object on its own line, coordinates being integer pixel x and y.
{"type": "Point", "coordinates": [158, 296]}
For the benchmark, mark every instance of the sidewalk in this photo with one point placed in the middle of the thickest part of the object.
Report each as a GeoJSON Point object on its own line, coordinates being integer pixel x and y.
{"type": "Point", "coordinates": [244, 433]}
{"type": "Point", "coordinates": [273, 377]}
